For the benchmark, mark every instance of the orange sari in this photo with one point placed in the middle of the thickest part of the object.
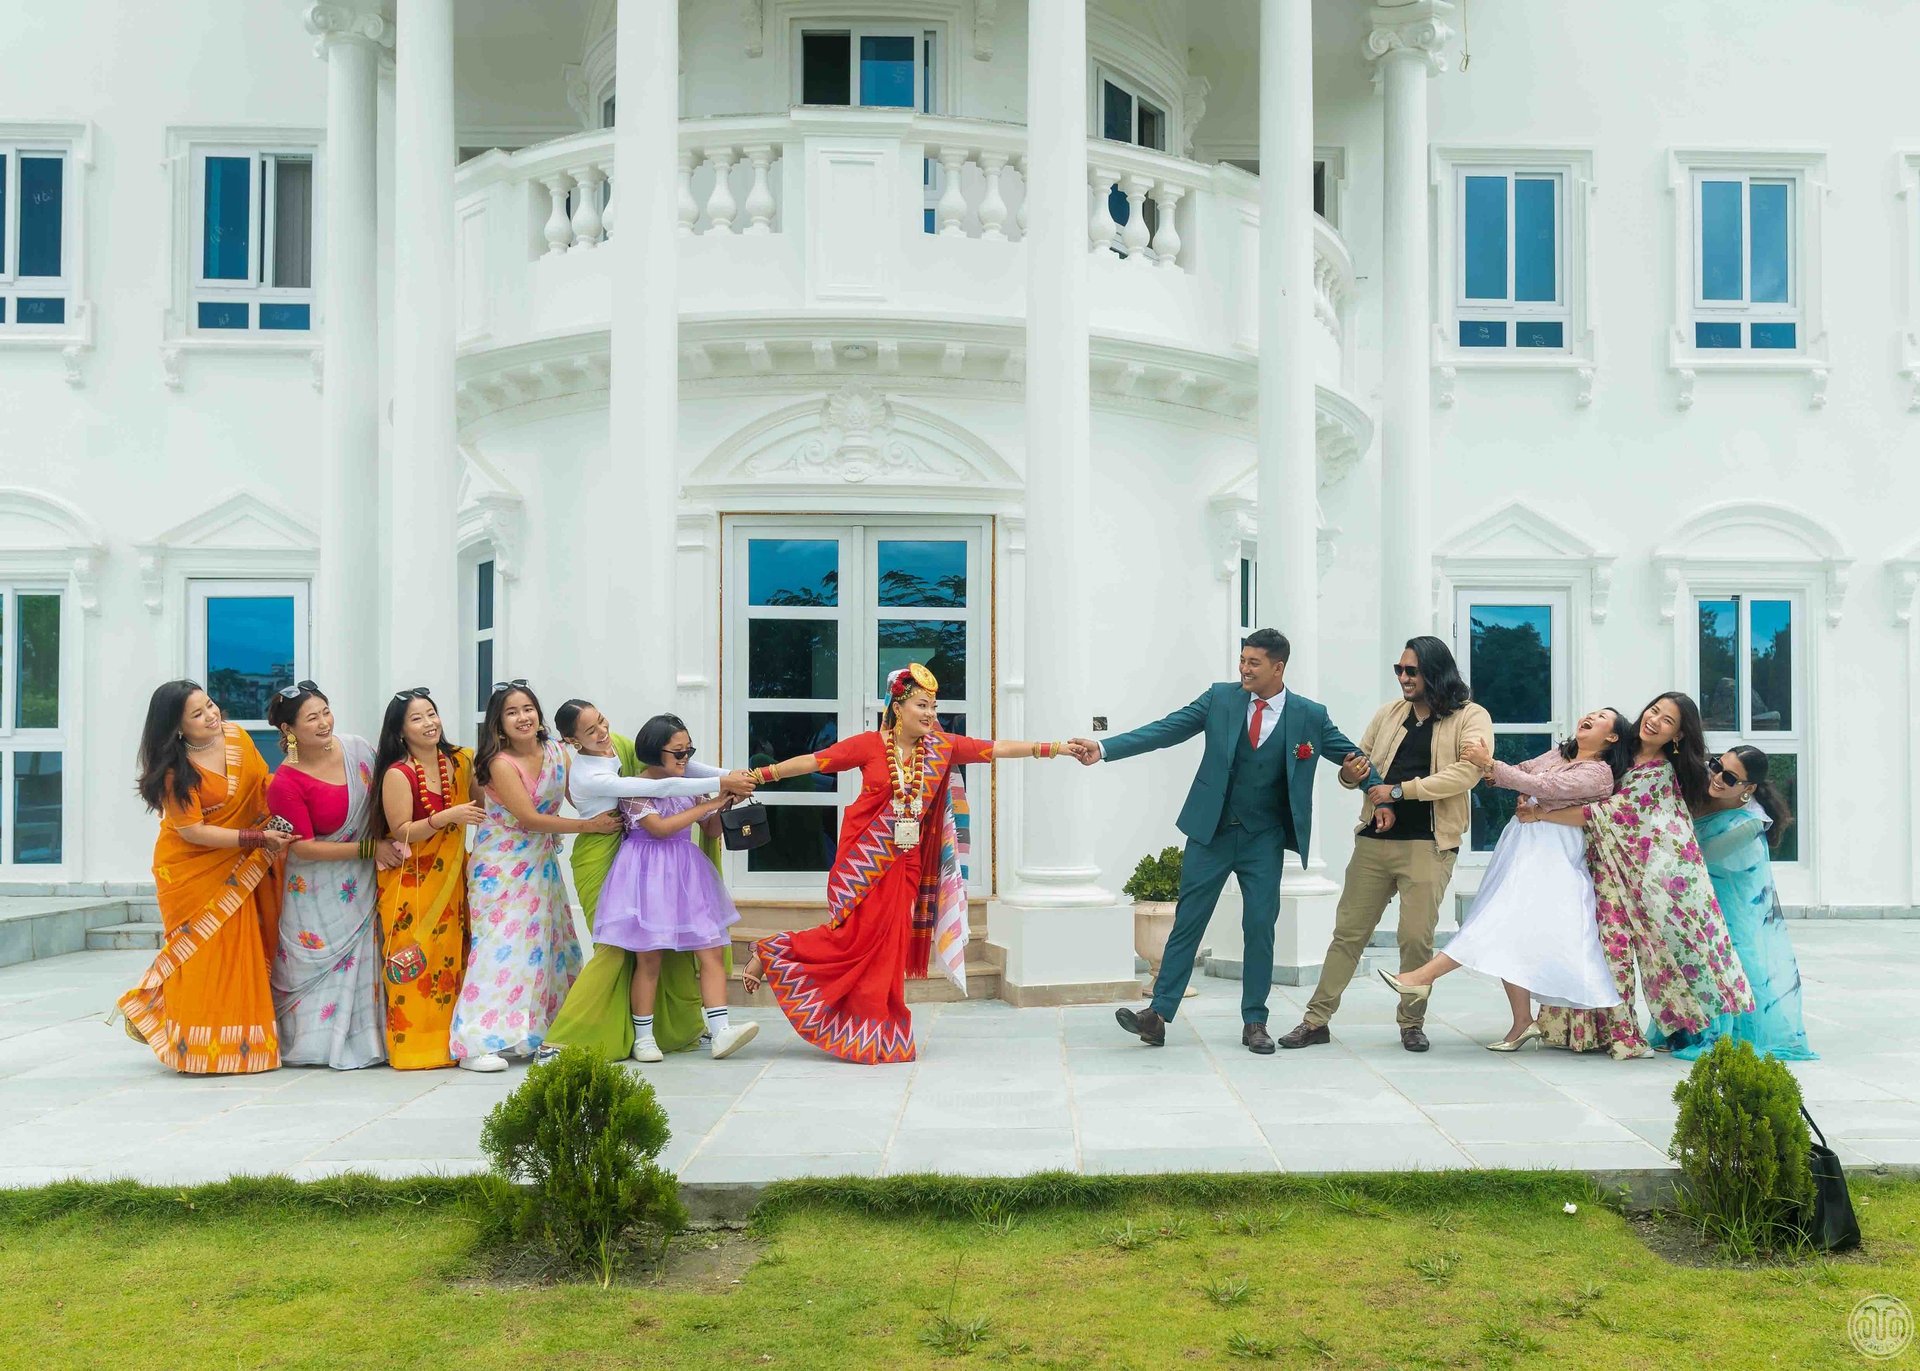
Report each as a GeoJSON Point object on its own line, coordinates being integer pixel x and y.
{"type": "Point", "coordinates": [205, 1006]}
{"type": "Point", "coordinates": [423, 902]}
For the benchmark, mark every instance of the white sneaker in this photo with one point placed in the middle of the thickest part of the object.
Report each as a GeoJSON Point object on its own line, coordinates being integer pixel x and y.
{"type": "Point", "coordinates": [647, 1050]}
{"type": "Point", "coordinates": [493, 1061]}
{"type": "Point", "coordinates": [727, 1043]}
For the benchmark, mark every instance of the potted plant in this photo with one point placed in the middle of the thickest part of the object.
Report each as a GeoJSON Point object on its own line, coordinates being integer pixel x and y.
{"type": "Point", "coordinates": [1155, 887]}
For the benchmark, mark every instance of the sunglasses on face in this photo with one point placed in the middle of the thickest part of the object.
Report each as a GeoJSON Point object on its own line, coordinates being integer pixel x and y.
{"type": "Point", "coordinates": [678, 753]}
{"type": "Point", "coordinates": [1405, 672]}
{"type": "Point", "coordinates": [1720, 771]}
{"type": "Point", "coordinates": [417, 693]}
{"type": "Point", "coordinates": [502, 687]}
{"type": "Point", "coordinates": [297, 689]}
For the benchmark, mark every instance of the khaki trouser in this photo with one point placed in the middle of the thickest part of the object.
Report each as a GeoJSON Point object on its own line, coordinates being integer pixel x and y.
{"type": "Point", "coordinates": [1416, 871]}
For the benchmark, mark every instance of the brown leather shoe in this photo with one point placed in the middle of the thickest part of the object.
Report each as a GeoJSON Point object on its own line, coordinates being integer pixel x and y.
{"type": "Point", "coordinates": [1144, 1024]}
{"type": "Point", "coordinates": [1305, 1034]}
{"type": "Point", "coordinates": [1414, 1040]}
{"type": "Point", "coordinates": [1254, 1038]}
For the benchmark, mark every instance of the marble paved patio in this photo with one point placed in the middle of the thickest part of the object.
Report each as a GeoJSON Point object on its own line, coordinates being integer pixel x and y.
{"type": "Point", "coordinates": [996, 1091]}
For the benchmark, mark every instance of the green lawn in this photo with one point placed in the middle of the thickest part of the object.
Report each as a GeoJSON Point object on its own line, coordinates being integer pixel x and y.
{"type": "Point", "coordinates": [1466, 1271]}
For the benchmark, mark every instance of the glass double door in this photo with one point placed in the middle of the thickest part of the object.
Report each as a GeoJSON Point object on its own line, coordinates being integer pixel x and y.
{"type": "Point", "coordinates": [818, 614]}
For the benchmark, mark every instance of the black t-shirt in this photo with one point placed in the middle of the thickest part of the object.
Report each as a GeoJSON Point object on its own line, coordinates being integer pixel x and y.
{"type": "Point", "coordinates": [1412, 819]}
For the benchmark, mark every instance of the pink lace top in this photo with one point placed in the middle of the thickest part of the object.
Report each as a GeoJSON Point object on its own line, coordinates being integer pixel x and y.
{"type": "Point", "coordinates": [1553, 782]}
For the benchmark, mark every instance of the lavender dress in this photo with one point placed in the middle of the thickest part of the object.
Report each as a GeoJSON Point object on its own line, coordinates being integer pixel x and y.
{"type": "Point", "coordinates": [662, 894]}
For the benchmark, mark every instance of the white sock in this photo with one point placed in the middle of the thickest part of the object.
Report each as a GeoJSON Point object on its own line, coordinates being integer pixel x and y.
{"type": "Point", "coordinates": [643, 1027]}
{"type": "Point", "coordinates": [717, 1020]}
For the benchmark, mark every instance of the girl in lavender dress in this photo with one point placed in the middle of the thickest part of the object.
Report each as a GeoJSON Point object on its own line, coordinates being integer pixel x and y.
{"type": "Point", "coordinates": [664, 895]}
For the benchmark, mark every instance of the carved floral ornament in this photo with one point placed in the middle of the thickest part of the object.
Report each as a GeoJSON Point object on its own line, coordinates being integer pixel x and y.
{"type": "Point", "coordinates": [856, 443]}
{"type": "Point", "coordinates": [1419, 29]}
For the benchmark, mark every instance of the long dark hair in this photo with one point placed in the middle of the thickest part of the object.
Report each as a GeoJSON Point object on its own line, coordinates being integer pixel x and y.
{"type": "Point", "coordinates": [392, 748]}
{"type": "Point", "coordinates": [1446, 692]}
{"type": "Point", "coordinates": [493, 729]}
{"type": "Point", "coordinates": [1619, 753]}
{"type": "Point", "coordinates": [166, 772]}
{"type": "Point", "coordinates": [1688, 751]}
{"type": "Point", "coordinates": [654, 735]}
{"type": "Point", "coordinates": [283, 710]}
{"type": "Point", "coordinates": [1754, 762]}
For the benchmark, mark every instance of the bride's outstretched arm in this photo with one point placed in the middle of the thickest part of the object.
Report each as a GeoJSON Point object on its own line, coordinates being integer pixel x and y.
{"type": "Point", "coordinates": [804, 765]}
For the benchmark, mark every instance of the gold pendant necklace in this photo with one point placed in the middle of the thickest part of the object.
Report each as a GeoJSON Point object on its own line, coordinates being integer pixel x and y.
{"type": "Point", "coordinates": [909, 797]}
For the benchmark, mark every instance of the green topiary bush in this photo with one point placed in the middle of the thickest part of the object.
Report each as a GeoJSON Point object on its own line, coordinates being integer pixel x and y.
{"type": "Point", "coordinates": [1156, 879]}
{"type": "Point", "coordinates": [1742, 1147]}
{"type": "Point", "coordinates": [573, 1152]}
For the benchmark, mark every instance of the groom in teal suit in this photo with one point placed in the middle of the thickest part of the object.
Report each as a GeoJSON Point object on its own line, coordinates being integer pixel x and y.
{"type": "Point", "coordinates": [1251, 801]}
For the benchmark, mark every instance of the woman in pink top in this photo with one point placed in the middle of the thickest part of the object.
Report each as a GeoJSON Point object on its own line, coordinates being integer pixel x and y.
{"type": "Point", "coordinates": [1532, 923]}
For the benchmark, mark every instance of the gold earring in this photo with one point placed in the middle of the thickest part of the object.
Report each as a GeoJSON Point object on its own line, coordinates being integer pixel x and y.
{"type": "Point", "coordinates": [293, 748]}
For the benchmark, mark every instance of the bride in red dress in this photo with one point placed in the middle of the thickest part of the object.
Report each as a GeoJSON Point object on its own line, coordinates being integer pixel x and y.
{"type": "Point", "coordinates": [896, 895]}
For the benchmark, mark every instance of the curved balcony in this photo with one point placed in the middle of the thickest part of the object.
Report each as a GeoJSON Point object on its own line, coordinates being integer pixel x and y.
{"type": "Point", "coordinates": [788, 221]}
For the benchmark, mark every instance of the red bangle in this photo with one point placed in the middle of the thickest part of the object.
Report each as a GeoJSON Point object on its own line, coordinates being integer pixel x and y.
{"type": "Point", "coordinates": [252, 838]}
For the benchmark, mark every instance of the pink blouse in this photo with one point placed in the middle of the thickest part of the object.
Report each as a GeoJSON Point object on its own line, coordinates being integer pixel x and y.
{"type": "Point", "coordinates": [312, 806]}
{"type": "Point", "coordinates": [1554, 782]}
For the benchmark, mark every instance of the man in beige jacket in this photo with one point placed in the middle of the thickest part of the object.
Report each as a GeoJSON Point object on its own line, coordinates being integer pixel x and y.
{"type": "Point", "coordinates": [1409, 831]}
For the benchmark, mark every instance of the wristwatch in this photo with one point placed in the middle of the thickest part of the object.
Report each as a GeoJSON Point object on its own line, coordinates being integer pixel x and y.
{"type": "Point", "coordinates": [1396, 793]}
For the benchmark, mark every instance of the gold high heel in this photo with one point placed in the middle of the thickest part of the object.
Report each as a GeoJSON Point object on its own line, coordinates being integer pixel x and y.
{"type": "Point", "coordinates": [1528, 1036]}
{"type": "Point", "coordinates": [1412, 992]}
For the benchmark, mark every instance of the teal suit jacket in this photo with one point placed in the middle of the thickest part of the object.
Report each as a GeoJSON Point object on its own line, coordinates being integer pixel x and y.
{"type": "Point", "coordinates": [1221, 714]}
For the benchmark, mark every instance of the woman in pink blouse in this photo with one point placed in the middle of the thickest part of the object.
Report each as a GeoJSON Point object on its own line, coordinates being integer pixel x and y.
{"type": "Point", "coordinates": [1533, 921]}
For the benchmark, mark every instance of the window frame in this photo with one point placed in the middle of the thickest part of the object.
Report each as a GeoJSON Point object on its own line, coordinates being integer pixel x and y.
{"type": "Point", "coordinates": [1510, 310]}
{"type": "Point", "coordinates": [1795, 741]}
{"type": "Point", "coordinates": [73, 144]}
{"type": "Point", "coordinates": [1558, 600]}
{"type": "Point", "coordinates": [201, 589]}
{"type": "Point", "coordinates": [472, 558]}
{"type": "Point", "coordinates": [925, 100]}
{"type": "Point", "coordinates": [1105, 73]}
{"type": "Point", "coordinates": [15, 740]}
{"type": "Point", "coordinates": [256, 292]}
{"type": "Point", "coordinates": [1745, 311]}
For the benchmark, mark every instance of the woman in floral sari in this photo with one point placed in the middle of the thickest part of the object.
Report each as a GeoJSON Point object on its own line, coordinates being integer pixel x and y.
{"type": "Point", "coordinates": [897, 891]}
{"type": "Point", "coordinates": [1655, 901]}
{"type": "Point", "coordinates": [204, 1006]}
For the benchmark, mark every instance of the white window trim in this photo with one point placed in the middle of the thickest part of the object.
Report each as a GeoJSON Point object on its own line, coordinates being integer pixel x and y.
{"type": "Point", "coordinates": [906, 21]}
{"type": "Point", "coordinates": [1105, 72]}
{"type": "Point", "coordinates": [201, 589]}
{"type": "Point", "coordinates": [1909, 195]}
{"type": "Point", "coordinates": [14, 740]}
{"type": "Point", "coordinates": [255, 290]}
{"type": "Point", "coordinates": [472, 555]}
{"type": "Point", "coordinates": [1564, 701]}
{"type": "Point", "coordinates": [1574, 166]}
{"type": "Point", "coordinates": [74, 141]}
{"type": "Point", "coordinates": [1796, 740]}
{"type": "Point", "coordinates": [1807, 169]}
{"type": "Point", "coordinates": [1903, 590]}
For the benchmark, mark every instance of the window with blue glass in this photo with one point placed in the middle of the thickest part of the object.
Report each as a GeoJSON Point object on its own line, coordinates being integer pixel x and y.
{"type": "Point", "coordinates": [34, 215]}
{"type": "Point", "coordinates": [247, 639]}
{"type": "Point", "coordinates": [254, 214]}
{"type": "Point", "coordinates": [1511, 234]}
{"type": "Point", "coordinates": [1746, 295]}
{"type": "Point", "coordinates": [1512, 647]}
{"type": "Point", "coordinates": [1750, 687]}
{"type": "Point", "coordinates": [32, 719]}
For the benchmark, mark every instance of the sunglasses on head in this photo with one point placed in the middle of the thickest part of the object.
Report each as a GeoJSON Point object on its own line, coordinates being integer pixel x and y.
{"type": "Point", "coordinates": [297, 689]}
{"type": "Point", "coordinates": [417, 693]}
{"type": "Point", "coordinates": [1718, 768]}
{"type": "Point", "coordinates": [678, 753]}
{"type": "Point", "coordinates": [1405, 671]}
{"type": "Point", "coordinates": [502, 687]}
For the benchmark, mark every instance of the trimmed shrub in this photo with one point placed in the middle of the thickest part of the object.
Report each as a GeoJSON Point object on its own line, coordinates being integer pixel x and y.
{"type": "Point", "coordinates": [573, 1152]}
{"type": "Point", "coordinates": [1156, 879]}
{"type": "Point", "coordinates": [1742, 1147]}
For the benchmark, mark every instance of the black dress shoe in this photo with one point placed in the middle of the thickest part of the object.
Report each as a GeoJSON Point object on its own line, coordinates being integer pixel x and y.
{"type": "Point", "coordinates": [1144, 1024]}
{"type": "Point", "coordinates": [1414, 1040]}
{"type": "Point", "coordinates": [1305, 1034]}
{"type": "Point", "coordinates": [1254, 1038]}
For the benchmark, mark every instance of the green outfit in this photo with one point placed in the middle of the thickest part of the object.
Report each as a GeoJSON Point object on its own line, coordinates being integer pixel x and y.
{"type": "Point", "coordinates": [598, 1013]}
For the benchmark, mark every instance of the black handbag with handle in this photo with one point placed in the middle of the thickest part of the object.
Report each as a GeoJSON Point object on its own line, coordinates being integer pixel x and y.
{"type": "Point", "coordinates": [1834, 1228]}
{"type": "Point", "coordinates": [744, 827]}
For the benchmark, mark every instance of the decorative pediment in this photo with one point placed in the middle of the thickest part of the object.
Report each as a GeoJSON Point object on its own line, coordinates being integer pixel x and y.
{"type": "Point", "coordinates": [1233, 518]}
{"type": "Point", "coordinates": [1755, 542]}
{"type": "Point", "coordinates": [492, 512]}
{"type": "Point", "coordinates": [42, 534]}
{"type": "Point", "coordinates": [1520, 540]}
{"type": "Point", "coordinates": [242, 534]}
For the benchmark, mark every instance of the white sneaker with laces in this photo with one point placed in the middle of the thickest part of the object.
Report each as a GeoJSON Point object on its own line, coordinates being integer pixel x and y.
{"type": "Point", "coordinates": [647, 1050]}
{"type": "Point", "coordinates": [493, 1061]}
{"type": "Point", "coordinates": [733, 1039]}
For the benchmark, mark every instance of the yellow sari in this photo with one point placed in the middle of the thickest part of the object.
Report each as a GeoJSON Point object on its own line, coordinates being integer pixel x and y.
{"type": "Point", "coordinates": [423, 905]}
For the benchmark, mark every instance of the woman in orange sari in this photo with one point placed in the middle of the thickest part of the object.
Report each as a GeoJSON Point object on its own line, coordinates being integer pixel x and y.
{"type": "Point", "coordinates": [426, 804]}
{"type": "Point", "coordinates": [205, 1006]}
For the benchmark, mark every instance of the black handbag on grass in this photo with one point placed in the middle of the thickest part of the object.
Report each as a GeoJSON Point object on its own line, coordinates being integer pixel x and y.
{"type": "Point", "coordinates": [1834, 1227]}
{"type": "Point", "coordinates": [744, 827]}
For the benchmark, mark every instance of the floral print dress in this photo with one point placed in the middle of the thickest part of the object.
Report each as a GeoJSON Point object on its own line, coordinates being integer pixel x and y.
{"type": "Point", "coordinates": [1656, 908]}
{"type": "Point", "coordinates": [524, 955]}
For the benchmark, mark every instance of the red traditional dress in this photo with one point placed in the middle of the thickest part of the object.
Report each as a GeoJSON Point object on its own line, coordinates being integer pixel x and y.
{"type": "Point", "coordinates": [891, 910]}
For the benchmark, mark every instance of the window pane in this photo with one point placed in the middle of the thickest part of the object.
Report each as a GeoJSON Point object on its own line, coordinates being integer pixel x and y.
{"type": "Point", "coordinates": [826, 74]}
{"type": "Point", "coordinates": [1246, 592]}
{"type": "Point", "coordinates": [886, 72]}
{"type": "Point", "coordinates": [1116, 122]}
{"type": "Point", "coordinates": [1486, 245]}
{"type": "Point", "coordinates": [940, 645]}
{"type": "Point", "coordinates": [1153, 127]}
{"type": "Point", "coordinates": [3, 229]}
{"type": "Point", "coordinates": [1320, 189]}
{"type": "Point", "coordinates": [793, 659]}
{"type": "Point", "coordinates": [1539, 333]}
{"type": "Point", "coordinates": [929, 575]}
{"type": "Point", "coordinates": [249, 651]}
{"type": "Point", "coordinates": [1719, 644]}
{"type": "Point", "coordinates": [41, 193]}
{"type": "Point", "coordinates": [224, 256]}
{"type": "Point", "coordinates": [793, 572]}
{"type": "Point", "coordinates": [1493, 807]}
{"type": "Point", "coordinates": [1783, 773]}
{"type": "Point", "coordinates": [1773, 336]}
{"type": "Point", "coordinates": [483, 596]}
{"type": "Point", "coordinates": [38, 805]}
{"type": "Point", "coordinates": [1511, 662]}
{"type": "Point", "coordinates": [803, 839]}
{"type": "Point", "coordinates": [285, 316]}
{"type": "Point", "coordinates": [37, 651]}
{"type": "Point", "coordinates": [40, 311]}
{"type": "Point", "coordinates": [773, 735]}
{"type": "Point", "coordinates": [1716, 335]}
{"type": "Point", "coordinates": [1770, 270]}
{"type": "Point", "coordinates": [1535, 261]}
{"type": "Point", "coordinates": [1482, 333]}
{"type": "Point", "coordinates": [1720, 234]}
{"type": "Point", "coordinates": [223, 314]}
{"type": "Point", "coordinates": [292, 222]}
{"type": "Point", "coordinates": [482, 674]}
{"type": "Point", "coordinates": [1770, 665]}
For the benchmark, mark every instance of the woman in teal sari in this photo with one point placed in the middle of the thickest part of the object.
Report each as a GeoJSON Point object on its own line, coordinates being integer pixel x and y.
{"type": "Point", "coordinates": [1745, 815]}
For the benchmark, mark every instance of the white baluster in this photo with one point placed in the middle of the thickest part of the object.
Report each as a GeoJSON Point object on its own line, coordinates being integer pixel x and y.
{"type": "Point", "coordinates": [559, 230]}
{"type": "Point", "coordinates": [721, 205]}
{"type": "Point", "coordinates": [1100, 225]}
{"type": "Point", "coordinates": [953, 204]}
{"type": "Point", "coordinates": [606, 215]}
{"type": "Point", "coordinates": [1135, 234]}
{"type": "Point", "coordinates": [686, 210]}
{"type": "Point", "coordinates": [993, 206]}
{"type": "Point", "coordinates": [1166, 237]}
{"type": "Point", "coordinates": [586, 206]}
{"type": "Point", "coordinates": [759, 204]}
{"type": "Point", "coordinates": [1026, 184]}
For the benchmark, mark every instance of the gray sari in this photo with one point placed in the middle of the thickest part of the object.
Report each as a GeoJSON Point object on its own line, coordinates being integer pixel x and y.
{"type": "Point", "coordinates": [326, 971]}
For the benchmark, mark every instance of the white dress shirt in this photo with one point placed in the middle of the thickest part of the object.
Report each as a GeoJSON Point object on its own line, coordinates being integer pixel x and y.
{"type": "Point", "coordinates": [595, 784]}
{"type": "Point", "coordinates": [1271, 718]}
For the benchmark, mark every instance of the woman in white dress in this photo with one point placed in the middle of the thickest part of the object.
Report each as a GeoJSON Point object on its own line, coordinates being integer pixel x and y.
{"type": "Point", "coordinates": [1532, 923]}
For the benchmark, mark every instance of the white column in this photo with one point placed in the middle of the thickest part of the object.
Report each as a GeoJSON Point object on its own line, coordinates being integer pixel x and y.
{"type": "Point", "coordinates": [1064, 936]}
{"type": "Point", "coordinates": [346, 659]}
{"type": "Point", "coordinates": [1407, 40]}
{"type": "Point", "coordinates": [635, 500]}
{"type": "Point", "coordinates": [424, 633]}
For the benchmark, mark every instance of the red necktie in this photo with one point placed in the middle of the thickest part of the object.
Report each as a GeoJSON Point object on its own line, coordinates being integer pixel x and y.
{"type": "Point", "coordinates": [1253, 727]}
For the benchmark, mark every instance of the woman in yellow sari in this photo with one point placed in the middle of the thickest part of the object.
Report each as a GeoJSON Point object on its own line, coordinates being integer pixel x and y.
{"type": "Point", "coordinates": [426, 803]}
{"type": "Point", "coordinates": [205, 1006]}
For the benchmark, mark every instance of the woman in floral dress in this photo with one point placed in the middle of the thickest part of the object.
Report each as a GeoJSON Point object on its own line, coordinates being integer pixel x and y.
{"type": "Point", "coordinates": [524, 954]}
{"type": "Point", "coordinates": [1656, 904]}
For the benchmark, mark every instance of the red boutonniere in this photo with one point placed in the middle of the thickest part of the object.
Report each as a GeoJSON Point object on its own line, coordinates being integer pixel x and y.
{"type": "Point", "coordinates": [1302, 752]}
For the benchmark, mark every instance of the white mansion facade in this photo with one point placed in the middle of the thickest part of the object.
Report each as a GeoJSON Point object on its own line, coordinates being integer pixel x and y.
{"type": "Point", "coordinates": [1053, 344]}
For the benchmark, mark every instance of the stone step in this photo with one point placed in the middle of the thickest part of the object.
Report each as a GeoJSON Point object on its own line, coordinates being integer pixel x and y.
{"type": "Point", "coordinates": [120, 937]}
{"type": "Point", "coordinates": [33, 927]}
